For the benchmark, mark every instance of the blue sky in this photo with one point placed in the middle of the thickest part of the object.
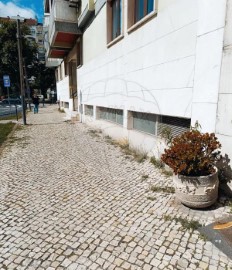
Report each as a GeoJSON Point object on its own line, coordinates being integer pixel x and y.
{"type": "Point", "coordinates": [24, 8]}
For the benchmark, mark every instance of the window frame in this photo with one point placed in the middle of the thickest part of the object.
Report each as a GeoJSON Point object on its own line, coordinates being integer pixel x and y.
{"type": "Point", "coordinates": [112, 35]}
{"type": "Point", "coordinates": [89, 110]}
{"type": "Point", "coordinates": [132, 22]}
{"type": "Point", "coordinates": [142, 116]}
{"type": "Point", "coordinates": [140, 121]}
{"type": "Point", "coordinates": [112, 115]}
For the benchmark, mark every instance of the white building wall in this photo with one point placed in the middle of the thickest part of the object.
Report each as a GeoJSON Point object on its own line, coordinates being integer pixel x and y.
{"type": "Point", "coordinates": [94, 39]}
{"type": "Point", "coordinates": [210, 35]}
{"type": "Point", "coordinates": [151, 69]}
{"type": "Point", "coordinates": [224, 109]}
{"type": "Point", "coordinates": [172, 65]}
{"type": "Point", "coordinates": [62, 87]}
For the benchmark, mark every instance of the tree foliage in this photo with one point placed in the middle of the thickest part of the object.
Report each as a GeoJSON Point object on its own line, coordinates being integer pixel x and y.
{"type": "Point", "coordinates": [44, 77]}
{"type": "Point", "coordinates": [9, 62]}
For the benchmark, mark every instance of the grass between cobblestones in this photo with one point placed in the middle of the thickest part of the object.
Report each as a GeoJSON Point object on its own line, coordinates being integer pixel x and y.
{"type": "Point", "coordinates": [162, 189]}
{"type": "Point", "coordinates": [126, 149]}
{"type": "Point", "coordinates": [161, 166]}
{"type": "Point", "coordinates": [185, 223]}
{"type": "Point", "coordinates": [5, 130]}
{"type": "Point", "coordinates": [123, 144]}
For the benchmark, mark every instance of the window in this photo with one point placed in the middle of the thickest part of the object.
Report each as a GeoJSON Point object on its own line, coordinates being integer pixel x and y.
{"type": "Point", "coordinates": [138, 9]}
{"type": "Point", "coordinates": [156, 124]}
{"type": "Point", "coordinates": [89, 110]}
{"type": "Point", "coordinates": [113, 115]}
{"type": "Point", "coordinates": [145, 122]}
{"type": "Point", "coordinates": [114, 19]}
{"type": "Point", "coordinates": [79, 52]}
{"type": "Point", "coordinates": [176, 125]}
{"type": "Point", "coordinates": [142, 8]}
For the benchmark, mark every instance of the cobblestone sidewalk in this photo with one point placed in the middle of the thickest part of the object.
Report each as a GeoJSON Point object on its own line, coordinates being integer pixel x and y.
{"type": "Point", "coordinates": [71, 200]}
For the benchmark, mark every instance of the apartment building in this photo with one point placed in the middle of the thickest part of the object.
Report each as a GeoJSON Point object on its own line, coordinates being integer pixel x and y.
{"type": "Point", "coordinates": [137, 67]}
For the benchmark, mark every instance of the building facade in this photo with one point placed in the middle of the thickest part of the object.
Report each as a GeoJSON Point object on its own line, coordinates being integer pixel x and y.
{"type": "Point", "coordinates": [137, 68]}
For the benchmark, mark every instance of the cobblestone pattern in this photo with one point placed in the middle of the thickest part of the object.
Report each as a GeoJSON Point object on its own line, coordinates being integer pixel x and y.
{"type": "Point", "coordinates": [70, 200]}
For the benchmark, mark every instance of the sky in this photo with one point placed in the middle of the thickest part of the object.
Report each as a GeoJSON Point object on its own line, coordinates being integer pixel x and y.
{"type": "Point", "coordinates": [24, 8]}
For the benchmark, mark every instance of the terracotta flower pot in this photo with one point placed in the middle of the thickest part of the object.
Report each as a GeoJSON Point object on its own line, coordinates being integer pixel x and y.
{"type": "Point", "coordinates": [197, 191]}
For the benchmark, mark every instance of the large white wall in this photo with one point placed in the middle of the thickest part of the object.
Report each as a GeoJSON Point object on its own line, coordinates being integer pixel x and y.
{"type": "Point", "coordinates": [150, 69]}
{"type": "Point", "coordinates": [179, 64]}
{"type": "Point", "coordinates": [94, 39]}
{"type": "Point", "coordinates": [224, 109]}
{"type": "Point", "coordinates": [210, 35]}
{"type": "Point", "coordinates": [63, 90]}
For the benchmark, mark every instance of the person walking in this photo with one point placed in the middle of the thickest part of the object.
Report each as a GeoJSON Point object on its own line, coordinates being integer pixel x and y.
{"type": "Point", "coordinates": [35, 100]}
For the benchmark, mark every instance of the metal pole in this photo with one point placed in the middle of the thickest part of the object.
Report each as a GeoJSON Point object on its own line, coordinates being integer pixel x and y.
{"type": "Point", "coordinates": [27, 85]}
{"type": "Point", "coordinates": [8, 93]}
{"type": "Point", "coordinates": [19, 38]}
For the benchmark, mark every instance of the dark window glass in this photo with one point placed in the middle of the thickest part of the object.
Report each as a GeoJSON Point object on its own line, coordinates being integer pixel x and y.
{"type": "Point", "coordinates": [112, 115]}
{"type": "Point", "coordinates": [144, 122]}
{"type": "Point", "coordinates": [116, 18]}
{"type": "Point", "coordinates": [142, 8]}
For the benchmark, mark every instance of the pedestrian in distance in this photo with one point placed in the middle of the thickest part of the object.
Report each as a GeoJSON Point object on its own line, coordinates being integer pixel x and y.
{"type": "Point", "coordinates": [35, 101]}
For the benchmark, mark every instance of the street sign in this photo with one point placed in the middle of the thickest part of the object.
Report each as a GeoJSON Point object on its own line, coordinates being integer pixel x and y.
{"type": "Point", "coordinates": [6, 80]}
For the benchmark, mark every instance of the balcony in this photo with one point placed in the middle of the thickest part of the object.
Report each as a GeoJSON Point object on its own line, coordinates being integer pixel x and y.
{"type": "Point", "coordinates": [62, 28]}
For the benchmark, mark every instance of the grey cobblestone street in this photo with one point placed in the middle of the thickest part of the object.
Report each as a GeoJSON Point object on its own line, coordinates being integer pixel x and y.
{"type": "Point", "coordinates": [71, 200]}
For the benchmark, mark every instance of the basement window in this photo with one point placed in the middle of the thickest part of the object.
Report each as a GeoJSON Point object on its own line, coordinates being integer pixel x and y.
{"type": "Point", "coordinates": [145, 122]}
{"type": "Point", "coordinates": [89, 110]}
{"type": "Point", "coordinates": [157, 124]}
{"type": "Point", "coordinates": [176, 125]}
{"type": "Point", "coordinates": [112, 115]}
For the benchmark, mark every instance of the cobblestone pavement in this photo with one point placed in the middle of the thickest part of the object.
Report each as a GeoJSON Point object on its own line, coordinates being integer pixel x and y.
{"type": "Point", "coordinates": [71, 200]}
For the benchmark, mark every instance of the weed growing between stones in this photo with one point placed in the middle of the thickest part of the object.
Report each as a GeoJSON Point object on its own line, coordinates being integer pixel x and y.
{"type": "Point", "coordinates": [157, 163]}
{"type": "Point", "coordinates": [161, 166]}
{"type": "Point", "coordinates": [151, 198]}
{"type": "Point", "coordinates": [22, 141]}
{"type": "Point", "coordinates": [126, 149]}
{"type": "Point", "coordinates": [144, 177]}
{"type": "Point", "coordinates": [185, 223]}
{"type": "Point", "coordinates": [94, 133]}
{"type": "Point", "coordinates": [137, 154]}
{"type": "Point", "coordinates": [162, 189]}
{"type": "Point", "coordinates": [203, 237]}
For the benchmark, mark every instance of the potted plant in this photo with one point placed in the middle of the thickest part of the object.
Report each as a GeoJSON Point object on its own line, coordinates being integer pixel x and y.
{"type": "Point", "coordinates": [192, 156]}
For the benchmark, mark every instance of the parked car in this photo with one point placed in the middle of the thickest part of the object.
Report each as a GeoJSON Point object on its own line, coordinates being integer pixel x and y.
{"type": "Point", "coordinates": [11, 101]}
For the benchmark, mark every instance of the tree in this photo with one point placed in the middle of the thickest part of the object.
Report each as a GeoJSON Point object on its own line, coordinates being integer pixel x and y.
{"type": "Point", "coordinates": [9, 63]}
{"type": "Point", "coordinates": [44, 77]}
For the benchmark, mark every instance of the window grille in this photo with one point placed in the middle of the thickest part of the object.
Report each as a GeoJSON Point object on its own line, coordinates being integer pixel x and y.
{"type": "Point", "coordinates": [176, 125]}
